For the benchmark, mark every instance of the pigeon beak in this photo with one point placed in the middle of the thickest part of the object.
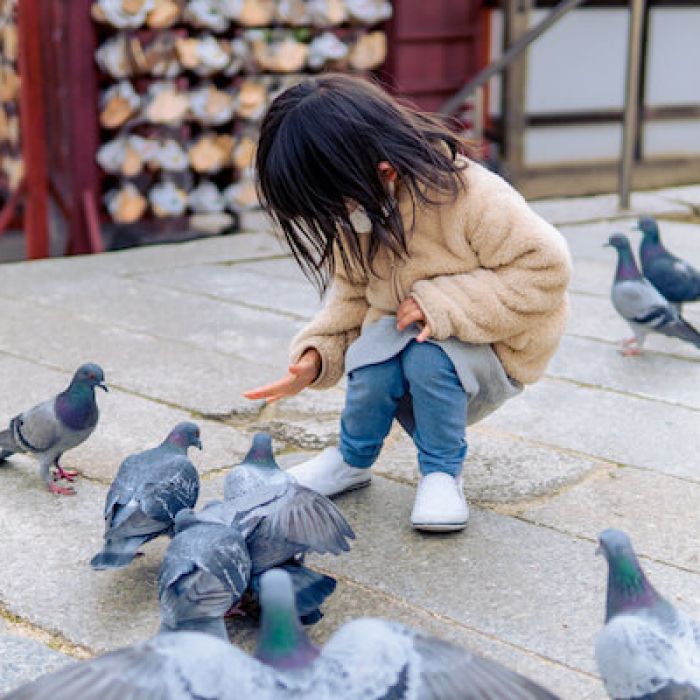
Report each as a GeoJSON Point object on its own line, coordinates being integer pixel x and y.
{"type": "Point", "coordinates": [198, 444]}
{"type": "Point", "coordinates": [606, 245]}
{"type": "Point", "coordinates": [103, 387]}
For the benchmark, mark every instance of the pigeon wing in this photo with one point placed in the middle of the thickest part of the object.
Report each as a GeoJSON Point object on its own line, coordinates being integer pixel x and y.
{"type": "Point", "coordinates": [638, 302]}
{"type": "Point", "coordinates": [674, 278]}
{"type": "Point", "coordinates": [385, 660]}
{"type": "Point", "coordinates": [637, 659]}
{"type": "Point", "coordinates": [37, 429]}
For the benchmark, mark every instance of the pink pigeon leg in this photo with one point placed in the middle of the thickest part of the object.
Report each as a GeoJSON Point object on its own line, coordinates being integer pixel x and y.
{"type": "Point", "coordinates": [235, 611]}
{"type": "Point", "coordinates": [61, 490]}
{"type": "Point", "coordinates": [67, 474]}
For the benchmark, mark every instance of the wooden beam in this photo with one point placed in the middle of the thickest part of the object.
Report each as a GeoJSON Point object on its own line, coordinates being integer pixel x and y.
{"type": "Point", "coordinates": [32, 130]}
{"type": "Point", "coordinates": [516, 14]}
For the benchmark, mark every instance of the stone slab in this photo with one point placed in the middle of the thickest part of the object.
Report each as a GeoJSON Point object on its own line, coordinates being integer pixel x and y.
{"type": "Point", "coordinates": [497, 469]}
{"type": "Point", "coordinates": [652, 376]}
{"type": "Point", "coordinates": [22, 660]}
{"type": "Point", "coordinates": [603, 424]}
{"type": "Point", "coordinates": [586, 240]}
{"type": "Point", "coordinates": [529, 586]}
{"type": "Point", "coordinates": [687, 195]}
{"type": "Point", "coordinates": [186, 376]}
{"type": "Point", "coordinates": [658, 512]}
{"type": "Point", "coordinates": [244, 246]}
{"type": "Point", "coordinates": [606, 206]}
{"type": "Point", "coordinates": [138, 305]}
{"type": "Point", "coordinates": [127, 423]}
{"type": "Point", "coordinates": [255, 288]}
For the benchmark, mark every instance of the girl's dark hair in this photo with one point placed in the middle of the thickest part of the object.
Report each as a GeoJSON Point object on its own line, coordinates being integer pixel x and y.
{"type": "Point", "coordinates": [320, 144]}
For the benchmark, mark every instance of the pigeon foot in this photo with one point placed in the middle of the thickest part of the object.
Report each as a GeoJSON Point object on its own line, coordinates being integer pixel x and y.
{"type": "Point", "coordinates": [629, 341]}
{"type": "Point", "coordinates": [67, 474]}
{"type": "Point", "coordinates": [235, 611]}
{"type": "Point", "coordinates": [61, 490]}
{"type": "Point", "coordinates": [630, 351]}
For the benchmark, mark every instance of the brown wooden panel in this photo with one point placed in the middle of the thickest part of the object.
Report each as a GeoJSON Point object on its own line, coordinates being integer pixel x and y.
{"type": "Point", "coordinates": [434, 48]}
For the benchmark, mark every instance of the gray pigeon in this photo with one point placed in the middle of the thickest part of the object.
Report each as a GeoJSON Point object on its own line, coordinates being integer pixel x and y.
{"type": "Point", "coordinates": [205, 572]}
{"type": "Point", "coordinates": [282, 521]}
{"type": "Point", "coordinates": [367, 659]}
{"type": "Point", "coordinates": [676, 279]}
{"type": "Point", "coordinates": [145, 496]}
{"type": "Point", "coordinates": [56, 426]}
{"type": "Point", "coordinates": [641, 305]}
{"type": "Point", "coordinates": [648, 648]}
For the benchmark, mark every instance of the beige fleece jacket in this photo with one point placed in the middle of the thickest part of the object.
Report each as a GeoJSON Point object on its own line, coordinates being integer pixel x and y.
{"type": "Point", "coordinates": [484, 268]}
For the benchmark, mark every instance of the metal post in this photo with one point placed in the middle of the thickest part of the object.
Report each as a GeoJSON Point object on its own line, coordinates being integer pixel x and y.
{"type": "Point", "coordinates": [630, 124]}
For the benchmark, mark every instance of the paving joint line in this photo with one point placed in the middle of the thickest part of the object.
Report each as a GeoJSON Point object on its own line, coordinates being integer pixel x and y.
{"type": "Point", "coordinates": [53, 639]}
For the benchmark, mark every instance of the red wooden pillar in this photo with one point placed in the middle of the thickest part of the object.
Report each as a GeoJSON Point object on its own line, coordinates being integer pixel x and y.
{"type": "Point", "coordinates": [32, 130]}
{"type": "Point", "coordinates": [81, 72]}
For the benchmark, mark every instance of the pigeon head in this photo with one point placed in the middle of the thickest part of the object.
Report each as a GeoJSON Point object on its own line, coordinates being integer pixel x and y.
{"type": "Point", "coordinates": [90, 375]}
{"type": "Point", "coordinates": [649, 228]}
{"type": "Point", "coordinates": [282, 644]}
{"type": "Point", "coordinates": [260, 453]}
{"type": "Point", "coordinates": [619, 241]}
{"type": "Point", "coordinates": [628, 587]}
{"type": "Point", "coordinates": [184, 435]}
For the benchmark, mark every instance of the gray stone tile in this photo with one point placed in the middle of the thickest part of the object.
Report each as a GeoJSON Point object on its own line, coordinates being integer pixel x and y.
{"type": "Point", "coordinates": [652, 376]}
{"type": "Point", "coordinates": [46, 579]}
{"type": "Point", "coordinates": [687, 195]}
{"type": "Point", "coordinates": [245, 246]}
{"type": "Point", "coordinates": [242, 285]}
{"type": "Point", "coordinates": [127, 423]}
{"type": "Point", "coordinates": [603, 424]}
{"type": "Point", "coordinates": [529, 586]}
{"type": "Point", "coordinates": [586, 240]}
{"type": "Point", "coordinates": [159, 311]}
{"type": "Point", "coordinates": [606, 206]}
{"type": "Point", "coordinates": [497, 469]}
{"type": "Point", "coordinates": [190, 377]}
{"type": "Point", "coordinates": [658, 512]}
{"type": "Point", "coordinates": [22, 660]}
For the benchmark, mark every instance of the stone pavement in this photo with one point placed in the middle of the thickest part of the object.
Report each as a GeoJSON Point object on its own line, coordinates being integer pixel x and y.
{"type": "Point", "coordinates": [182, 330]}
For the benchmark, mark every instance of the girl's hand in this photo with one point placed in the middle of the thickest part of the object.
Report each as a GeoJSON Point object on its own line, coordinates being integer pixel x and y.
{"type": "Point", "coordinates": [409, 312]}
{"type": "Point", "coordinates": [300, 375]}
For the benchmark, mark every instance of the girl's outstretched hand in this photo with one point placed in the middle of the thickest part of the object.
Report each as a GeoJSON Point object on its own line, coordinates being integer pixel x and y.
{"type": "Point", "coordinates": [409, 312]}
{"type": "Point", "coordinates": [300, 376]}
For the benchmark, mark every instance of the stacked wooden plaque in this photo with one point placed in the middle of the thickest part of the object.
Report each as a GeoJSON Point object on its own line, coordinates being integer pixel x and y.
{"type": "Point", "coordinates": [185, 84]}
{"type": "Point", "coordinates": [11, 163]}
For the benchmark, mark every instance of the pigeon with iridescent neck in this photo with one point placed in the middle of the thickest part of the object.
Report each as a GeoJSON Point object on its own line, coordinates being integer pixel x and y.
{"type": "Point", "coordinates": [675, 278]}
{"type": "Point", "coordinates": [641, 305]}
{"type": "Point", "coordinates": [56, 426]}
{"type": "Point", "coordinates": [648, 648]}
{"type": "Point", "coordinates": [146, 495]}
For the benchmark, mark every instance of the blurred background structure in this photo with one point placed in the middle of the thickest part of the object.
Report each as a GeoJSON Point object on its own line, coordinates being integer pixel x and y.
{"type": "Point", "coordinates": [134, 121]}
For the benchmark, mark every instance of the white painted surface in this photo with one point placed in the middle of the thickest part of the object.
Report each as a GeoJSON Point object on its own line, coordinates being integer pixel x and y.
{"type": "Point", "coordinates": [572, 144]}
{"type": "Point", "coordinates": [672, 138]}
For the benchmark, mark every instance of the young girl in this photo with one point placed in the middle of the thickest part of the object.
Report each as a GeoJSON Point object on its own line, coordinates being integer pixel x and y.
{"type": "Point", "coordinates": [447, 292]}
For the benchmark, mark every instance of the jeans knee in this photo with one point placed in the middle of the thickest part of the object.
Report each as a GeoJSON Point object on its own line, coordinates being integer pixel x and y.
{"type": "Point", "coordinates": [422, 361]}
{"type": "Point", "coordinates": [380, 379]}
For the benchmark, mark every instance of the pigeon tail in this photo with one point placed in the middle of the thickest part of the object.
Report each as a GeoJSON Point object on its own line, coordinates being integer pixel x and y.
{"type": "Point", "coordinates": [7, 443]}
{"type": "Point", "coordinates": [117, 554]}
{"type": "Point", "coordinates": [310, 590]}
{"type": "Point", "coordinates": [4, 454]}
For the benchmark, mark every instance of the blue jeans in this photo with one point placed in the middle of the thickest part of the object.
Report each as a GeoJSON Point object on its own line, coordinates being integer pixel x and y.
{"type": "Point", "coordinates": [439, 407]}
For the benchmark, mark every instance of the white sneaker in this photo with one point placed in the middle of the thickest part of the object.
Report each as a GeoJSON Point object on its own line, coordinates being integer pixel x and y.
{"type": "Point", "coordinates": [329, 474]}
{"type": "Point", "coordinates": [440, 505]}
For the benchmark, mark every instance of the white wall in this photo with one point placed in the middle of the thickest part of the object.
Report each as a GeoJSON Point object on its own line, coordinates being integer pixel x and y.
{"type": "Point", "coordinates": [580, 64]}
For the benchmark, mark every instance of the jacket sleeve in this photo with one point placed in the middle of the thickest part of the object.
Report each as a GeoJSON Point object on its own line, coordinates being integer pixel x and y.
{"type": "Point", "coordinates": [524, 270]}
{"type": "Point", "coordinates": [333, 329]}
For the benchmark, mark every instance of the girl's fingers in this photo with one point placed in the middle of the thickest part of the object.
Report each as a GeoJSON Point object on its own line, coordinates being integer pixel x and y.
{"type": "Point", "coordinates": [270, 389]}
{"type": "Point", "coordinates": [408, 318]}
{"type": "Point", "coordinates": [424, 334]}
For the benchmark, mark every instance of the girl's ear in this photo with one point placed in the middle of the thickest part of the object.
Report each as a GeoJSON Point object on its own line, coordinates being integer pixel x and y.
{"type": "Point", "coordinates": [386, 171]}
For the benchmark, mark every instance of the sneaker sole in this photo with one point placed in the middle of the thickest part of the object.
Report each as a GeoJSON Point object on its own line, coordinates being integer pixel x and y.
{"type": "Point", "coordinates": [439, 527]}
{"type": "Point", "coordinates": [354, 487]}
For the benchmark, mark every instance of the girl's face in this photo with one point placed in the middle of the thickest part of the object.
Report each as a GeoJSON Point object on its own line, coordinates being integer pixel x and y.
{"type": "Point", "coordinates": [356, 213]}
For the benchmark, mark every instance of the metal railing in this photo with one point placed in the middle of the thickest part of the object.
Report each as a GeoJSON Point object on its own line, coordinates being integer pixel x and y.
{"type": "Point", "coordinates": [631, 102]}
